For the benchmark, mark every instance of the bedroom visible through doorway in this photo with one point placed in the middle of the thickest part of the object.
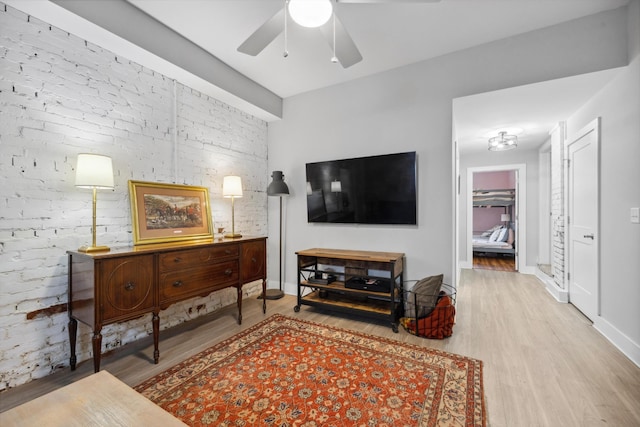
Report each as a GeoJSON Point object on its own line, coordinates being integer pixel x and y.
{"type": "Point", "coordinates": [494, 214]}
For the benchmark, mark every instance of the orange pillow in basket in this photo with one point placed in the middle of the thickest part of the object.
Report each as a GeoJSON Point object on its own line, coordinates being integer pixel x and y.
{"type": "Point", "coordinates": [438, 324]}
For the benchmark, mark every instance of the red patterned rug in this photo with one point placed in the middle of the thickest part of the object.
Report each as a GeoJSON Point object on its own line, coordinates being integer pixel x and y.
{"type": "Point", "coordinates": [289, 372]}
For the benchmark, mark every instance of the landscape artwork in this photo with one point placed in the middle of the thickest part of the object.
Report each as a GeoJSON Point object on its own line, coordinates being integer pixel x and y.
{"type": "Point", "coordinates": [169, 212]}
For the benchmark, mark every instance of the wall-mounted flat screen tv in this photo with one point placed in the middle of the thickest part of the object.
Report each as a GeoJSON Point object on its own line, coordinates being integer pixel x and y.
{"type": "Point", "coordinates": [364, 190]}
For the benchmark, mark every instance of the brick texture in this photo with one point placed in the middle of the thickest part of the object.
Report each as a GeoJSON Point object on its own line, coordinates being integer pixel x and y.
{"type": "Point", "coordinates": [557, 205]}
{"type": "Point", "coordinates": [60, 96]}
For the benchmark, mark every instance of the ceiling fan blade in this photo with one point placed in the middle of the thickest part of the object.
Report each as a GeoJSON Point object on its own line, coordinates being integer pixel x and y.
{"type": "Point", "coordinates": [346, 50]}
{"type": "Point", "coordinates": [263, 35]}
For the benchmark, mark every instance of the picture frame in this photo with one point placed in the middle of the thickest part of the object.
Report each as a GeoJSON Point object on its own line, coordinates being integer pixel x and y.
{"type": "Point", "coordinates": [164, 213]}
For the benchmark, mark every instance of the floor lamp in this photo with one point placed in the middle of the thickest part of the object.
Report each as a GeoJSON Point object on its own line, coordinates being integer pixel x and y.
{"type": "Point", "coordinates": [277, 188]}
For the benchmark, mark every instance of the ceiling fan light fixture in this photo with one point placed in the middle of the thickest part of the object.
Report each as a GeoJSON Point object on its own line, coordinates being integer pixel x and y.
{"type": "Point", "coordinates": [503, 142]}
{"type": "Point", "coordinates": [310, 13]}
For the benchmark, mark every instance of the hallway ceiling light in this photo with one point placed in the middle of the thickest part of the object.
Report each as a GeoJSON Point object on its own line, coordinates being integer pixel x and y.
{"type": "Point", "coordinates": [503, 142]}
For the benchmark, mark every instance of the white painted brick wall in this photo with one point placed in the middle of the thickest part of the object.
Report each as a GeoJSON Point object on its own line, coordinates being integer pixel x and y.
{"type": "Point", "coordinates": [557, 205]}
{"type": "Point", "coordinates": [60, 96]}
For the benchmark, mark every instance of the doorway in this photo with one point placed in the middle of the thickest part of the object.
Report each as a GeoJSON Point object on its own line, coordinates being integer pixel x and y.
{"type": "Point", "coordinates": [501, 209]}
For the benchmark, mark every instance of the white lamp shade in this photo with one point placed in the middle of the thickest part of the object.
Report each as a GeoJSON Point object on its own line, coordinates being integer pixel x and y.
{"type": "Point", "coordinates": [232, 186]}
{"type": "Point", "coordinates": [336, 186]}
{"type": "Point", "coordinates": [94, 171]}
{"type": "Point", "coordinates": [310, 13]}
{"type": "Point", "coordinates": [505, 217]}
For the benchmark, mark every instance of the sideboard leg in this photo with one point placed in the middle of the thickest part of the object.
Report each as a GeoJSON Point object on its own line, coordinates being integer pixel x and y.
{"type": "Point", "coordinates": [73, 331]}
{"type": "Point", "coordinates": [156, 337]}
{"type": "Point", "coordinates": [97, 348]}
{"type": "Point", "coordinates": [239, 305]}
{"type": "Point", "coordinates": [264, 294]}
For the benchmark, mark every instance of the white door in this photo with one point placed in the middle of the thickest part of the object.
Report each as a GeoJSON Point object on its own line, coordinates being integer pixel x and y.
{"type": "Point", "coordinates": [582, 220]}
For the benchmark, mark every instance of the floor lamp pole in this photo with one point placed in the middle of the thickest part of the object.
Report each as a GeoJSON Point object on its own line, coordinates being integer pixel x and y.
{"type": "Point", "coordinates": [277, 293]}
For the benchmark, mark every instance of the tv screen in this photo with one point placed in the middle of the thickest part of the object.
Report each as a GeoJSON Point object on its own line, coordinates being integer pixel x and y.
{"type": "Point", "coordinates": [363, 190]}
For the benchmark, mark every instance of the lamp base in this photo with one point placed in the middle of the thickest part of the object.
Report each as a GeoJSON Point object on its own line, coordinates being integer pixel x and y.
{"type": "Point", "coordinates": [89, 249]}
{"type": "Point", "coordinates": [233, 235]}
{"type": "Point", "coordinates": [272, 294]}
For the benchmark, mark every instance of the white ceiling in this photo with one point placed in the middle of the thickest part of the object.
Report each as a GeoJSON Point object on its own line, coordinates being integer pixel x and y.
{"type": "Point", "coordinates": [530, 111]}
{"type": "Point", "coordinates": [389, 35]}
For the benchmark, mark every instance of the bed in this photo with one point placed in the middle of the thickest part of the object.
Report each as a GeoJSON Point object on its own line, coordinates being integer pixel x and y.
{"type": "Point", "coordinates": [495, 198]}
{"type": "Point", "coordinates": [482, 244]}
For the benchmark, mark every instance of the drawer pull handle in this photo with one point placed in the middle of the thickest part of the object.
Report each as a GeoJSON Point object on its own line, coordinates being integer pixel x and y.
{"type": "Point", "coordinates": [253, 260]}
{"type": "Point", "coordinates": [228, 272]}
{"type": "Point", "coordinates": [177, 283]}
{"type": "Point", "coordinates": [177, 259]}
{"type": "Point", "coordinates": [130, 286]}
{"type": "Point", "coordinates": [227, 251]}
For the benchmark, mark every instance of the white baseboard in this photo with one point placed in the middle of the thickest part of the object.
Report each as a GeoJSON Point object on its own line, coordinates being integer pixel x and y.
{"type": "Point", "coordinates": [465, 264]}
{"type": "Point", "coordinates": [560, 295]}
{"type": "Point", "coordinates": [618, 339]}
{"type": "Point", "coordinates": [527, 269]}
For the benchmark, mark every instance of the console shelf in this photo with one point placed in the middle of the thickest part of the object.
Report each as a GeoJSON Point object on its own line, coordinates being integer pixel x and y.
{"type": "Point", "coordinates": [346, 265]}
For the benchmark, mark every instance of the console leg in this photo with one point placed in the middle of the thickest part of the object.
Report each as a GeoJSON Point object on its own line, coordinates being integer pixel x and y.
{"type": "Point", "coordinates": [264, 294]}
{"type": "Point", "coordinates": [155, 320]}
{"type": "Point", "coordinates": [97, 348]}
{"type": "Point", "coordinates": [239, 305]}
{"type": "Point", "coordinates": [73, 331]}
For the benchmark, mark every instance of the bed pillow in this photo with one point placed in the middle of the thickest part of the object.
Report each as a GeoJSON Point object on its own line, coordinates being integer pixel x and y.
{"type": "Point", "coordinates": [495, 235]}
{"type": "Point", "coordinates": [511, 237]}
{"type": "Point", "coordinates": [491, 230]}
{"type": "Point", "coordinates": [504, 235]}
{"type": "Point", "coordinates": [424, 296]}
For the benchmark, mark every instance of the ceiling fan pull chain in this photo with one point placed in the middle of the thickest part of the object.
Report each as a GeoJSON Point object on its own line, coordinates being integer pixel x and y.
{"type": "Point", "coordinates": [334, 58]}
{"type": "Point", "coordinates": [286, 49]}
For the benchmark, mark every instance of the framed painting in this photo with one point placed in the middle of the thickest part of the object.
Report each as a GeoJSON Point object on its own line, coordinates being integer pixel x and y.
{"type": "Point", "coordinates": [163, 213]}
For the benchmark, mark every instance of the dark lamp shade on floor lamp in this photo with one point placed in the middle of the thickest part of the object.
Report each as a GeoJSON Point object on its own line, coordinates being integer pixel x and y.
{"type": "Point", "coordinates": [279, 188]}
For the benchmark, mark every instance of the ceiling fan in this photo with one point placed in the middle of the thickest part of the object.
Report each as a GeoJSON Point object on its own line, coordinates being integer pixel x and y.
{"type": "Point", "coordinates": [323, 15]}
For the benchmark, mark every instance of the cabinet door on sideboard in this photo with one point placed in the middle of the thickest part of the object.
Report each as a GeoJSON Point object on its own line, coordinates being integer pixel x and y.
{"type": "Point", "coordinates": [253, 261]}
{"type": "Point", "coordinates": [127, 287]}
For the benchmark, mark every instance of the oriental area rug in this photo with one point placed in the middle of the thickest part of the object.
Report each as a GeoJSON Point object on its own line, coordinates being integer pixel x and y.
{"type": "Point", "coordinates": [289, 372]}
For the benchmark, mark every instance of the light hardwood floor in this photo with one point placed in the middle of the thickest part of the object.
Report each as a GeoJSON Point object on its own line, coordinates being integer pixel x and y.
{"type": "Point", "coordinates": [544, 364]}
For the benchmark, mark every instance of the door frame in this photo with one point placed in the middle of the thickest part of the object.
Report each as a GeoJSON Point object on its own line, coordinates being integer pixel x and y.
{"type": "Point", "coordinates": [520, 211]}
{"type": "Point", "coordinates": [592, 126]}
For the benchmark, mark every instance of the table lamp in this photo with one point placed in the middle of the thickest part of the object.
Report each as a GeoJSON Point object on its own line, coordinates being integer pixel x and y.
{"type": "Point", "coordinates": [94, 171]}
{"type": "Point", "coordinates": [232, 188]}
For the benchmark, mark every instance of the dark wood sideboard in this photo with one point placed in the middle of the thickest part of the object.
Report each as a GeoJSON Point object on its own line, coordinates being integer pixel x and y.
{"type": "Point", "coordinates": [126, 283]}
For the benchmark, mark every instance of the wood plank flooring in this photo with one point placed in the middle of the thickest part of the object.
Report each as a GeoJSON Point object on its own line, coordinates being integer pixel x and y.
{"type": "Point", "coordinates": [494, 262]}
{"type": "Point", "coordinates": [544, 364]}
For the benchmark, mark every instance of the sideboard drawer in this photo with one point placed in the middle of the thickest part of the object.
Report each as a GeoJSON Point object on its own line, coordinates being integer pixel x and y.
{"type": "Point", "coordinates": [180, 260]}
{"type": "Point", "coordinates": [179, 284]}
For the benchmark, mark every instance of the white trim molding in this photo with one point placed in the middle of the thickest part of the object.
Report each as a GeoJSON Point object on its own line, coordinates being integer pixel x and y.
{"type": "Point", "coordinates": [617, 338]}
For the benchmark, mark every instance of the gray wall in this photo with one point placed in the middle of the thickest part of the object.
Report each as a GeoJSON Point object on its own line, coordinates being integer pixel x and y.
{"type": "Point", "coordinates": [410, 108]}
